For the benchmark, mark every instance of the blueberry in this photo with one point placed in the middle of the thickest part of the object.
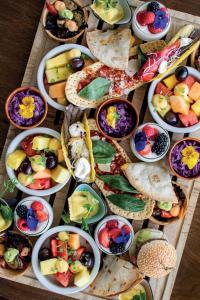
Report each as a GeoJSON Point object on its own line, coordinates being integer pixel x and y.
{"type": "Point", "coordinates": [139, 146]}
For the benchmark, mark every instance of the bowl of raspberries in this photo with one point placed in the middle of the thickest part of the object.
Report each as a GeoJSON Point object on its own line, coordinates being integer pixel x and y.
{"type": "Point", "coordinates": [151, 21]}
{"type": "Point", "coordinates": [114, 235]}
{"type": "Point", "coordinates": [33, 216]}
{"type": "Point", "coordinates": [150, 142]}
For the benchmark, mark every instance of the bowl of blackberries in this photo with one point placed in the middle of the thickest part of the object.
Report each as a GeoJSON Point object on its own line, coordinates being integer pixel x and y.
{"type": "Point", "coordinates": [64, 21]}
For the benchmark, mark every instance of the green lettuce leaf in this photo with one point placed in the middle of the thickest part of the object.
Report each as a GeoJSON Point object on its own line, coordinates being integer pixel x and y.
{"type": "Point", "coordinates": [127, 202]}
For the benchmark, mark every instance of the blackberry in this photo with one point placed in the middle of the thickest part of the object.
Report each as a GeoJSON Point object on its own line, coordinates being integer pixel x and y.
{"type": "Point", "coordinates": [153, 6]}
{"type": "Point", "coordinates": [22, 211]}
{"type": "Point", "coordinates": [160, 144]}
{"type": "Point", "coordinates": [117, 248]}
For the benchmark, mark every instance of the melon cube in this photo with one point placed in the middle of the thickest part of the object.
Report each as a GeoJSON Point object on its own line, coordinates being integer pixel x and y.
{"type": "Point", "coordinates": [196, 108]}
{"type": "Point", "coordinates": [195, 91]}
{"type": "Point", "coordinates": [46, 173]}
{"type": "Point", "coordinates": [179, 105]}
{"type": "Point", "coordinates": [74, 241]}
{"type": "Point", "coordinates": [189, 120]}
{"type": "Point", "coordinates": [57, 90]}
{"type": "Point", "coordinates": [189, 81]}
{"type": "Point", "coordinates": [170, 81]}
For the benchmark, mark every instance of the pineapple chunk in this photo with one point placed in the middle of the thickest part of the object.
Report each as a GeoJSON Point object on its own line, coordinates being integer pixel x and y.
{"type": "Point", "coordinates": [60, 174]}
{"type": "Point", "coordinates": [170, 81]}
{"type": "Point", "coordinates": [82, 278]}
{"type": "Point", "coordinates": [48, 266]}
{"type": "Point", "coordinates": [58, 74]}
{"type": "Point", "coordinates": [54, 144]}
{"type": "Point", "coordinates": [25, 179]}
{"type": "Point", "coordinates": [62, 59]}
{"type": "Point", "coordinates": [15, 159]}
{"type": "Point", "coordinates": [40, 142]}
{"type": "Point", "coordinates": [196, 108]}
{"type": "Point", "coordinates": [60, 156]}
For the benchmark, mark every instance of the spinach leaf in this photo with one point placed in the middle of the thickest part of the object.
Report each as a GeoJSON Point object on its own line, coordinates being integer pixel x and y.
{"type": "Point", "coordinates": [6, 212]}
{"type": "Point", "coordinates": [103, 151]}
{"type": "Point", "coordinates": [65, 217]}
{"type": "Point", "coordinates": [142, 58]}
{"type": "Point", "coordinates": [118, 182]}
{"type": "Point", "coordinates": [95, 89]}
{"type": "Point", "coordinates": [142, 296]}
{"type": "Point", "coordinates": [136, 297]}
{"type": "Point", "coordinates": [127, 202]}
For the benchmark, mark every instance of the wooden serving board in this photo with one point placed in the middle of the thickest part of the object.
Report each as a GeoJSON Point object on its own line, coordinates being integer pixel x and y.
{"type": "Point", "coordinates": [177, 232]}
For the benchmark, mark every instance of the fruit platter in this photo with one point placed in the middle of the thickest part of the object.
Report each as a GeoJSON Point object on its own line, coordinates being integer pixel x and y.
{"type": "Point", "coordinates": [107, 148]}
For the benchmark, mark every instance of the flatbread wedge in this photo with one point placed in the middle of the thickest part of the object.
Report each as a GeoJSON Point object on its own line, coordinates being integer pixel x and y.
{"type": "Point", "coordinates": [152, 180]}
{"type": "Point", "coordinates": [116, 276]}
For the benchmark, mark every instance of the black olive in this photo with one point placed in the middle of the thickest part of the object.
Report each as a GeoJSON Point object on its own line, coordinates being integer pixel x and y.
{"type": "Point", "coordinates": [25, 167]}
{"type": "Point", "coordinates": [77, 64]}
{"type": "Point", "coordinates": [51, 160]}
{"type": "Point", "coordinates": [181, 73]}
{"type": "Point", "coordinates": [44, 254]}
{"type": "Point", "coordinates": [87, 259]}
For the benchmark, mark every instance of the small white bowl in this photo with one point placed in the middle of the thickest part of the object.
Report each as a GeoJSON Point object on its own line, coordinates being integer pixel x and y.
{"type": "Point", "coordinates": [149, 159]}
{"type": "Point", "coordinates": [15, 144]}
{"type": "Point", "coordinates": [41, 227]}
{"type": "Point", "coordinates": [122, 221]}
{"type": "Point", "coordinates": [142, 32]}
{"type": "Point", "coordinates": [49, 281]}
{"type": "Point", "coordinates": [156, 116]}
{"type": "Point", "coordinates": [40, 74]}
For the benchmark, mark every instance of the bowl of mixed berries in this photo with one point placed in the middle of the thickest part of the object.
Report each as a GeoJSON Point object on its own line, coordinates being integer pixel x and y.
{"type": "Point", "coordinates": [33, 216]}
{"type": "Point", "coordinates": [151, 21]}
{"type": "Point", "coordinates": [150, 142]}
{"type": "Point", "coordinates": [114, 235]}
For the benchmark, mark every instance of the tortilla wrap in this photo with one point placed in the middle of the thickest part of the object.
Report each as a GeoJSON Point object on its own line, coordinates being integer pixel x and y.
{"type": "Point", "coordinates": [152, 180]}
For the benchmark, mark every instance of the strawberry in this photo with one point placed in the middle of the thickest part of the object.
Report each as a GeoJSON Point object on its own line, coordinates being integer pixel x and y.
{"type": "Point", "coordinates": [36, 205]}
{"type": "Point", "coordinates": [112, 224]}
{"type": "Point", "coordinates": [22, 225]}
{"type": "Point", "coordinates": [51, 8]}
{"type": "Point", "coordinates": [139, 18]}
{"type": "Point", "coordinates": [146, 150]}
{"type": "Point", "coordinates": [126, 228]}
{"type": "Point", "coordinates": [41, 216]}
{"type": "Point", "coordinates": [104, 239]}
{"type": "Point", "coordinates": [154, 30]}
{"type": "Point", "coordinates": [114, 233]}
{"type": "Point", "coordinates": [150, 132]}
{"type": "Point", "coordinates": [145, 18]}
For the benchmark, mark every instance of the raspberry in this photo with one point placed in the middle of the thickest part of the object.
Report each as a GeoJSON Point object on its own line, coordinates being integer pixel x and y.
{"type": "Point", "coordinates": [22, 225]}
{"type": "Point", "coordinates": [22, 211]}
{"type": "Point", "coordinates": [126, 228]}
{"type": "Point", "coordinates": [112, 224]}
{"type": "Point", "coordinates": [146, 150]}
{"type": "Point", "coordinates": [154, 30]}
{"type": "Point", "coordinates": [145, 18]}
{"type": "Point", "coordinates": [117, 248]}
{"type": "Point", "coordinates": [150, 132]}
{"type": "Point", "coordinates": [41, 216]}
{"type": "Point", "coordinates": [36, 205]}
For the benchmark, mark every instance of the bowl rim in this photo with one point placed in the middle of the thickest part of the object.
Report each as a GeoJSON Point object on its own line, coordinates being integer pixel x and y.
{"type": "Point", "coordinates": [170, 154]}
{"type": "Point", "coordinates": [13, 146]}
{"type": "Point", "coordinates": [43, 279]}
{"type": "Point", "coordinates": [114, 100]}
{"type": "Point", "coordinates": [48, 207]}
{"type": "Point", "coordinates": [10, 97]}
{"type": "Point", "coordinates": [155, 115]}
{"type": "Point", "coordinates": [41, 69]}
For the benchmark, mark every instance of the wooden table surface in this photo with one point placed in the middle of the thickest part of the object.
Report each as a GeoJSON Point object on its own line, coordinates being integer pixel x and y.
{"type": "Point", "coordinates": [18, 24]}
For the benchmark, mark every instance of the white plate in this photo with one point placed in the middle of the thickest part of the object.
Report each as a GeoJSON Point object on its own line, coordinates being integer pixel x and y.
{"type": "Point", "coordinates": [15, 144]}
{"type": "Point", "coordinates": [156, 116]}
{"type": "Point", "coordinates": [41, 70]}
{"type": "Point", "coordinates": [49, 281]}
{"type": "Point", "coordinates": [41, 227]}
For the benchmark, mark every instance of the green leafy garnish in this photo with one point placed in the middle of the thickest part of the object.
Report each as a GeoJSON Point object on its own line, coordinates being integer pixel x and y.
{"type": "Point", "coordinates": [141, 296]}
{"type": "Point", "coordinates": [85, 226]}
{"type": "Point", "coordinates": [118, 182]}
{"type": "Point", "coordinates": [6, 212]}
{"type": "Point", "coordinates": [95, 89]}
{"type": "Point", "coordinates": [8, 186]}
{"type": "Point", "coordinates": [127, 202]}
{"type": "Point", "coordinates": [103, 151]}
{"type": "Point", "coordinates": [142, 58]}
{"type": "Point", "coordinates": [65, 217]}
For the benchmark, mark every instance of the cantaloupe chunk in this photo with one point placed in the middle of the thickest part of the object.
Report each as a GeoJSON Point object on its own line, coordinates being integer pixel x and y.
{"type": "Point", "coordinates": [196, 108]}
{"type": "Point", "coordinates": [195, 91]}
{"type": "Point", "coordinates": [179, 105]}
{"type": "Point", "coordinates": [46, 173]}
{"type": "Point", "coordinates": [170, 81]}
{"type": "Point", "coordinates": [62, 101]}
{"type": "Point", "coordinates": [60, 156]}
{"type": "Point", "coordinates": [57, 90]}
{"type": "Point", "coordinates": [74, 241]}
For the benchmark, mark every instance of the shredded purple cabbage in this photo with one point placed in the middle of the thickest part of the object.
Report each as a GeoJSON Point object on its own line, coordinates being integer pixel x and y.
{"type": "Point", "coordinates": [179, 166]}
{"type": "Point", "coordinates": [14, 109]}
{"type": "Point", "coordinates": [124, 124]}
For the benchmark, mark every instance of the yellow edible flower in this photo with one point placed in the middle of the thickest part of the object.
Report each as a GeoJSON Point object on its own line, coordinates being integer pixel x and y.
{"type": "Point", "coordinates": [112, 116]}
{"type": "Point", "coordinates": [190, 157]}
{"type": "Point", "coordinates": [26, 109]}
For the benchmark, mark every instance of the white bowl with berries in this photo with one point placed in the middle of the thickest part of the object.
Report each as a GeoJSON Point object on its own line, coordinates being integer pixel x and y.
{"type": "Point", "coordinates": [150, 142]}
{"type": "Point", "coordinates": [114, 235]}
{"type": "Point", "coordinates": [33, 216]}
{"type": "Point", "coordinates": [151, 21]}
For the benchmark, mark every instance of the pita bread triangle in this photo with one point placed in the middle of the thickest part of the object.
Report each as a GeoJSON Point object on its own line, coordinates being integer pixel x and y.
{"type": "Point", "coordinates": [152, 180]}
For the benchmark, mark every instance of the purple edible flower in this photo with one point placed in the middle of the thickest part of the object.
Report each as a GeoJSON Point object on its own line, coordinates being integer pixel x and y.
{"type": "Point", "coordinates": [32, 222]}
{"type": "Point", "coordinates": [161, 19]}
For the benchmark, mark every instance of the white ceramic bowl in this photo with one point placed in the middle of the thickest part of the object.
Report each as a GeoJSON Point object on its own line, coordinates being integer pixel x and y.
{"type": "Point", "coordinates": [49, 281]}
{"type": "Point", "coordinates": [40, 74]}
{"type": "Point", "coordinates": [122, 221]}
{"type": "Point", "coordinates": [142, 32]}
{"type": "Point", "coordinates": [15, 144]}
{"type": "Point", "coordinates": [156, 116]}
{"type": "Point", "coordinates": [41, 227]}
{"type": "Point", "coordinates": [149, 159]}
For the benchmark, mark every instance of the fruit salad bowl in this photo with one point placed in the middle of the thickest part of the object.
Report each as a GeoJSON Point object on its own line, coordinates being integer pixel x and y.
{"type": "Point", "coordinates": [35, 160]}
{"type": "Point", "coordinates": [78, 258]}
{"type": "Point", "coordinates": [174, 100]}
